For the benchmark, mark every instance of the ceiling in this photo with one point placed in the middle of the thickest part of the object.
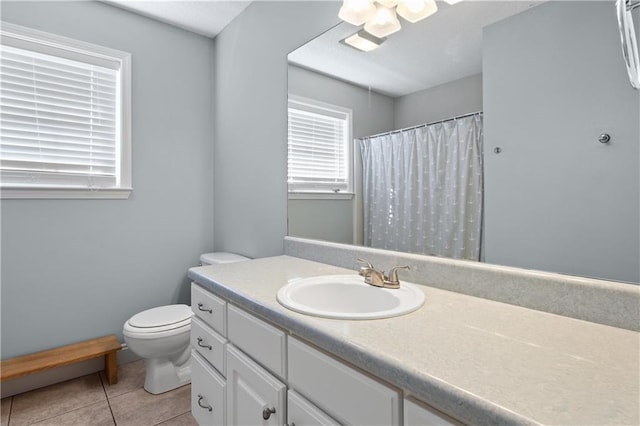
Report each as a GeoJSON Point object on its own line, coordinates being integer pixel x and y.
{"type": "Point", "coordinates": [204, 17]}
{"type": "Point", "coordinates": [444, 47]}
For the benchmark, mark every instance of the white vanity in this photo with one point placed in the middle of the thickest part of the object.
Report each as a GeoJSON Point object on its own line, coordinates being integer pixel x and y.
{"type": "Point", "coordinates": [457, 360]}
{"type": "Point", "coordinates": [247, 371]}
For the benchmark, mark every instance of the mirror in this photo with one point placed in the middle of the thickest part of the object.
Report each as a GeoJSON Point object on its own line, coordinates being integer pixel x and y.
{"type": "Point", "coordinates": [561, 123]}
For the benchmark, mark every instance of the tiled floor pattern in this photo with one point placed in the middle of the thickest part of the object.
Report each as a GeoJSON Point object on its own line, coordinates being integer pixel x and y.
{"type": "Point", "coordinates": [89, 400]}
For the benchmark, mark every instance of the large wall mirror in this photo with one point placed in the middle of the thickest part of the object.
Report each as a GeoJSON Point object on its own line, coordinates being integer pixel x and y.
{"type": "Point", "coordinates": [556, 170]}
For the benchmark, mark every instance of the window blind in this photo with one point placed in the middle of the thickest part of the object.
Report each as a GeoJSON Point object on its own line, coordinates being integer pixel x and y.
{"type": "Point", "coordinates": [318, 158]}
{"type": "Point", "coordinates": [59, 122]}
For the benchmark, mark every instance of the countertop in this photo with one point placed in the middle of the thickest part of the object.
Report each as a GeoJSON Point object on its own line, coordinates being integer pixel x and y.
{"type": "Point", "coordinates": [480, 361]}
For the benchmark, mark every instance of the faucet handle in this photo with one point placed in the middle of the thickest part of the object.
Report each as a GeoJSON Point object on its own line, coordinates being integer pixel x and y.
{"type": "Point", "coordinates": [365, 270]}
{"type": "Point", "coordinates": [392, 279]}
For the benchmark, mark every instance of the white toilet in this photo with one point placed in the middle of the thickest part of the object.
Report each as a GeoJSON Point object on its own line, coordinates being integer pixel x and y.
{"type": "Point", "coordinates": [161, 336]}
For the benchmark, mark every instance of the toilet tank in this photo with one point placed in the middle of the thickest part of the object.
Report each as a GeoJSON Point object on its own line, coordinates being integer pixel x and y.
{"type": "Point", "coordinates": [220, 257]}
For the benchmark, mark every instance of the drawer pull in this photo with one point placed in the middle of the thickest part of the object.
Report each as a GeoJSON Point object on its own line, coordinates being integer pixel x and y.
{"type": "Point", "coordinates": [206, 407]}
{"type": "Point", "coordinates": [203, 309]}
{"type": "Point", "coordinates": [267, 412]}
{"type": "Point", "coordinates": [201, 345]}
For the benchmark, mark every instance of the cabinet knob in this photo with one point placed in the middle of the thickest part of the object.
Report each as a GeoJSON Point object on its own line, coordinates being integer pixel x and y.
{"type": "Point", "coordinates": [205, 406]}
{"type": "Point", "coordinates": [203, 345]}
{"type": "Point", "coordinates": [267, 412]}
{"type": "Point", "coordinates": [204, 309]}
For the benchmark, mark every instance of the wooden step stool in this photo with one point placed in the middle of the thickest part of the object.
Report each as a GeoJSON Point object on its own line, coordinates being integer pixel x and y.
{"type": "Point", "coordinates": [23, 365]}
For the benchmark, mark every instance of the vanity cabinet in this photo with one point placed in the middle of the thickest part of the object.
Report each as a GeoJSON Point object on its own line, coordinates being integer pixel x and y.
{"type": "Point", "coordinates": [237, 363]}
{"type": "Point", "coordinates": [246, 371]}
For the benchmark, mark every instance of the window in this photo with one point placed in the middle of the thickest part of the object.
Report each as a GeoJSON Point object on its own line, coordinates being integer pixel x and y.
{"type": "Point", "coordinates": [65, 117]}
{"type": "Point", "coordinates": [319, 149]}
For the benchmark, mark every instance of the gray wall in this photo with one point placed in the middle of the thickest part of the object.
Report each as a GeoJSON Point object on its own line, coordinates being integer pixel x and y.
{"type": "Point", "coordinates": [438, 103]}
{"type": "Point", "coordinates": [250, 215]}
{"type": "Point", "coordinates": [78, 269]}
{"type": "Point", "coordinates": [556, 199]}
{"type": "Point", "coordinates": [329, 220]}
{"type": "Point", "coordinates": [333, 220]}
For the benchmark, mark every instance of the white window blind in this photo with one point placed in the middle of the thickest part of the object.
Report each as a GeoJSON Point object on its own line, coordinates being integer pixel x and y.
{"type": "Point", "coordinates": [61, 118]}
{"type": "Point", "coordinates": [318, 149]}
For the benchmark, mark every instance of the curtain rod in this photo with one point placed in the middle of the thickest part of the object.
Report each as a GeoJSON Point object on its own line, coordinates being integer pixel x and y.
{"type": "Point", "coordinates": [422, 125]}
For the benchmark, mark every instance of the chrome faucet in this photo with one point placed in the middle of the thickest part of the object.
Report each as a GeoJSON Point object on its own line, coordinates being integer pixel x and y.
{"type": "Point", "coordinates": [377, 278]}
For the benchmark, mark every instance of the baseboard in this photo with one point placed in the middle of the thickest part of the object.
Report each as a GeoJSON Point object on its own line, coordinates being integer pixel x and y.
{"type": "Point", "coordinates": [61, 374]}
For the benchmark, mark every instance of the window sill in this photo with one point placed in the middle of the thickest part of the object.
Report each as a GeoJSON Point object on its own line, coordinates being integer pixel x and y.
{"type": "Point", "coordinates": [64, 193]}
{"type": "Point", "coordinates": [320, 196]}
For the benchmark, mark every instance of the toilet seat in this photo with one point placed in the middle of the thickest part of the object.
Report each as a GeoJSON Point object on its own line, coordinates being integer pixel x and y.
{"type": "Point", "coordinates": [169, 320]}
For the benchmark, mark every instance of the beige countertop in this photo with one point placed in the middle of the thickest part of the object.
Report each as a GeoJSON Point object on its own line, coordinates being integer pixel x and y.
{"type": "Point", "coordinates": [480, 361]}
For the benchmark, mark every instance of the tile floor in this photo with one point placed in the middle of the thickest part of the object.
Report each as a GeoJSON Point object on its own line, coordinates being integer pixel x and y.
{"type": "Point", "coordinates": [89, 400]}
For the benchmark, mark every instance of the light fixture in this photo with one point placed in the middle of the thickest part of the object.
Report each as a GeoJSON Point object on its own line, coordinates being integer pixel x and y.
{"type": "Point", "coordinates": [363, 41]}
{"type": "Point", "coordinates": [357, 12]}
{"type": "Point", "coordinates": [388, 3]}
{"type": "Point", "coordinates": [415, 10]}
{"type": "Point", "coordinates": [384, 22]}
{"type": "Point", "coordinates": [452, 1]}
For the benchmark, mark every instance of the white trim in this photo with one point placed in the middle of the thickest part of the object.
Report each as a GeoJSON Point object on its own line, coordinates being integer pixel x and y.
{"type": "Point", "coordinates": [64, 193]}
{"type": "Point", "coordinates": [320, 196]}
{"type": "Point", "coordinates": [60, 42]}
{"type": "Point", "coordinates": [54, 44]}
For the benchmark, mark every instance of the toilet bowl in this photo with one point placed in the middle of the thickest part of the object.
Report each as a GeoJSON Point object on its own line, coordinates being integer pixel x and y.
{"type": "Point", "coordinates": [161, 336]}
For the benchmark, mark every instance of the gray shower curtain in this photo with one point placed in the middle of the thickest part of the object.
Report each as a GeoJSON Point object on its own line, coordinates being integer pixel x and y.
{"type": "Point", "coordinates": [423, 189]}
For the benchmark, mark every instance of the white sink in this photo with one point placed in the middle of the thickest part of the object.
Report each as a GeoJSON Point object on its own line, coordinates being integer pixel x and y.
{"type": "Point", "coordinates": [348, 297]}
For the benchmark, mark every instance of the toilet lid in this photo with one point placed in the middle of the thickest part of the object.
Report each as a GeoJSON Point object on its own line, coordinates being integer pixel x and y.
{"type": "Point", "coordinates": [161, 316]}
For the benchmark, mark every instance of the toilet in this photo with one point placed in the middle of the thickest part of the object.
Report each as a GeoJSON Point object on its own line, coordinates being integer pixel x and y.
{"type": "Point", "coordinates": [161, 337]}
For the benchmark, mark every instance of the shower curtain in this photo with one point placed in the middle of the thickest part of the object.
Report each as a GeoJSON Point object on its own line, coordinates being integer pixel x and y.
{"type": "Point", "coordinates": [423, 189]}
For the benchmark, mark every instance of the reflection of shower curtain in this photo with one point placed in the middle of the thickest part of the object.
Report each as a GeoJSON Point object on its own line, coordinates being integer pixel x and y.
{"type": "Point", "coordinates": [423, 189]}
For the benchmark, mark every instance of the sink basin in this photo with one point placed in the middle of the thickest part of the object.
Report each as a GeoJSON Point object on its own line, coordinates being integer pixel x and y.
{"type": "Point", "coordinates": [348, 297]}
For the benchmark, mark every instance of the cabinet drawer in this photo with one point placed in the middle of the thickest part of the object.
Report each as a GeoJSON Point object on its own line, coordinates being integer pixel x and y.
{"type": "Point", "coordinates": [209, 308]}
{"type": "Point", "coordinates": [208, 343]}
{"type": "Point", "coordinates": [418, 414]}
{"type": "Point", "coordinates": [346, 394]}
{"type": "Point", "coordinates": [303, 413]}
{"type": "Point", "coordinates": [207, 393]}
{"type": "Point", "coordinates": [261, 341]}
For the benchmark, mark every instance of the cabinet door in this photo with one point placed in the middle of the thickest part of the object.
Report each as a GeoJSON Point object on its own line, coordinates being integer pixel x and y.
{"type": "Point", "coordinates": [254, 396]}
{"type": "Point", "coordinates": [303, 413]}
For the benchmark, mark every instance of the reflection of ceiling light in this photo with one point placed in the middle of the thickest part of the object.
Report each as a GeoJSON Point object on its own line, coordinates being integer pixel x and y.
{"type": "Point", "coordinates": [380, 19]}
{"type": "Point", "coordinates": [363, 41]}
{"type": "Point", "coordinates": [385, 22]}
{"type": "Point", "coordinates": [415, 10]}
{"type": "Point", "coordinates": [357, 12]}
